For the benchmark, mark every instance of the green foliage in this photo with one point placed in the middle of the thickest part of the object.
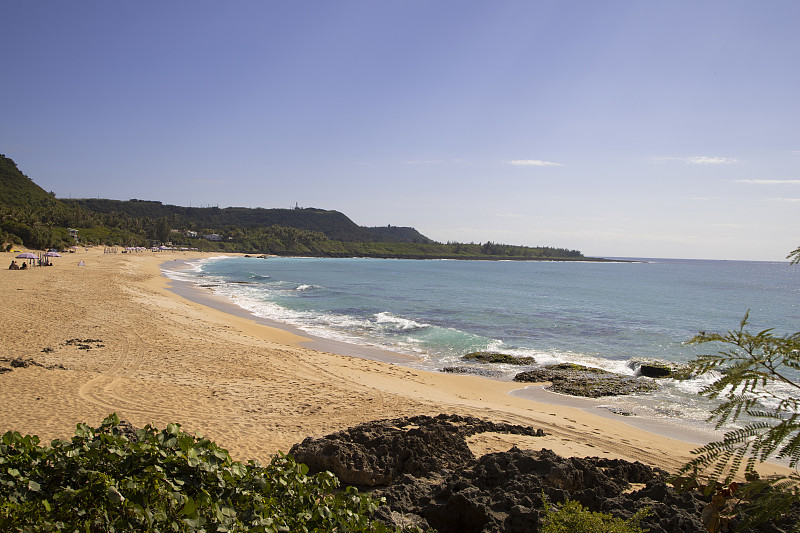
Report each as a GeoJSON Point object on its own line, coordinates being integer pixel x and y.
{"type": "Point", "coordinates": [333, 224]}
{"type": "Point", "coordinates": [165, 480]}
{"type": "Point", "coordinates": [572, 517]}
{"type": "Point", "coordinates": [162, 230]}
{"type": "Point", "coordinates": [104, 235]}
{"type": "Point", "coordinates": [794, 256]}
{"type": "Point", "coordinates": [18, 190]}
{"type": "Point", "coordinates": [749, 366]}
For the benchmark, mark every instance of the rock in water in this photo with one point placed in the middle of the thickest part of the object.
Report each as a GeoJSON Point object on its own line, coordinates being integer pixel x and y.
{"type": "Point", "coordinates": [577, 380]}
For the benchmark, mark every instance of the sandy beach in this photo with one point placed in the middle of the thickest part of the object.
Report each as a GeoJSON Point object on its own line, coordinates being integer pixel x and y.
{"type": "Point", "coordinates": [130, 345]}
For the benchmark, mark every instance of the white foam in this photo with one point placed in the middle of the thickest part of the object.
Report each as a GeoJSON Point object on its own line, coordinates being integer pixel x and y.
{"type": "Point", "coordinates": [403, 324]}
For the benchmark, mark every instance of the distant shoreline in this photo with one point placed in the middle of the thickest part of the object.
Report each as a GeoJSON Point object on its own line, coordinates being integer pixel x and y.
{"type": "Point", "coordinates": [449, 258]}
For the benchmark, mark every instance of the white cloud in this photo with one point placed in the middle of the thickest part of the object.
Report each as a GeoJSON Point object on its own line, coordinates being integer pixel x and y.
{"type": "Point", "coordinates": [534, 163]}
{"type": "Point", "coordinates": [792, 200]}
{"type": "Point", "coordinates": [704, 160]}
{"type": "Point", "coordinates": [770, 182]}
{"type": "Point", "coordinates": [698, 160]}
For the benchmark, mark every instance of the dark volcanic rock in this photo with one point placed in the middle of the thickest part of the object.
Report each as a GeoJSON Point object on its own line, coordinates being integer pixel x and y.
{"type": "Point", "coordinates": [18, 362]}
{"type": "Point", "coordinates": [654, 371]}
{"type": "Point", "coordinates": [488, 372]}
{"type": "Point", "coordinates": [377, 453]}
{"type": "Point", "coordinates": [494, 357]}
{"type": "Point", "coordinates": [578, 380]}
{"type": "Point", "coordinates": [653, 368]}
{"type": "Point", "coordinates": [503, 492]}
{"type": "Point", "coordinates": [431, 479]}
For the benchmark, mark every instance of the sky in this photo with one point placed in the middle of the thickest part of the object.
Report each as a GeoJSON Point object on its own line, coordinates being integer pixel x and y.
{"type": "Point", "coordinates": [617, 128]}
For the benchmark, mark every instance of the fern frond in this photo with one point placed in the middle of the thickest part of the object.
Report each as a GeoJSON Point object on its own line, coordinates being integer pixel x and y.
{"type": "Point", "coordinates": [749, 364]}
{"type": "Point", "coordinates": [765, 414]}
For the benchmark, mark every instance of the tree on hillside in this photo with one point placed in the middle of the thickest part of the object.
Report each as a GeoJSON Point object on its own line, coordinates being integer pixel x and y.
{"type": "Point", "coordinates": [755, 379]}
{"type": "Point", "coordinates": [163, 230]}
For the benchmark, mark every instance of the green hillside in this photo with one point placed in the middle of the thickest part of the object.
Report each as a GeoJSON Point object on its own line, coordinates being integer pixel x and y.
{"type": "Point", "coordinates": [18, 191]}
{"type": "Point", "coordinates": [32, 217]}
{"type": "Point", "coordinates": [332, 224]}
{"type": "Point", "coordinates": [29, 215]}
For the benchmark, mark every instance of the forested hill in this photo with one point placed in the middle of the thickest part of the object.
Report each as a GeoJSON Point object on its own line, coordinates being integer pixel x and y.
{"type": "Point", "coordinates": [18, 191]}
{"type": "Point", "coordinates": [335, 225]}
{"type": "Point", "coordinates": [32, 217]}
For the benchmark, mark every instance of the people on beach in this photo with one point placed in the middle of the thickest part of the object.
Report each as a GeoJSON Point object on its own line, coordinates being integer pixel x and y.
{"type": "Point", "coordinates": [13, 265]}
{"type": "Point", "coordinates": [24, 266]}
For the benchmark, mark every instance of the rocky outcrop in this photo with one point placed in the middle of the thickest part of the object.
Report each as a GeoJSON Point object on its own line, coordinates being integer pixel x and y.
{"type": "Point", "coordinates": [431, 480]}
{"type": "Point", "coordinates": [504, 492]}
{"type": "Point", "coordinates": [378, 453]}
{"type": "Point", "coordinates": [486, 372]}
{"type": "Point", "coordinates": [654, 368]}
{"type": "Point", "coordinates": [501, 358]}
{"type": "Point", "coordinates": [18, 362]}
{"type": "Point", "coordinates": [578, 380]}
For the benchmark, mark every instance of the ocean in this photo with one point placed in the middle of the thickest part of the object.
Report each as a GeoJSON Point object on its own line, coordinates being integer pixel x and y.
{"type": "Point", "coordinates": [604, 315]}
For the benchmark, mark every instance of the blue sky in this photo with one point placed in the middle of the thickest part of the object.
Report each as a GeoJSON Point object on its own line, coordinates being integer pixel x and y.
{"type": "Point", "coordinates": [648, 129]}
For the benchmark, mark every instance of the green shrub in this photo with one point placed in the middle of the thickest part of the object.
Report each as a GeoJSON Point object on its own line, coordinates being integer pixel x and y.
{"type": "Point", "coordinates": [572, 517]}
{"type": "Point", "coordinates": [165, 480]}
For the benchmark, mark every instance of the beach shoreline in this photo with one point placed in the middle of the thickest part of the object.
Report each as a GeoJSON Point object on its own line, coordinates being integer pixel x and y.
{"type": "Point", "coordinates": [252, 387]}
{"type": "Point", "coordinates": [691, 433]}
{"type": "Point", "coordinates": [208, 298]}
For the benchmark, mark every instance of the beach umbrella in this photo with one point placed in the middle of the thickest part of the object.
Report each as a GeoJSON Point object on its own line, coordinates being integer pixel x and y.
{"type": "Point", "coordinates": [26, 255]}
{"type": "Point", "coordinates": [52, 253]}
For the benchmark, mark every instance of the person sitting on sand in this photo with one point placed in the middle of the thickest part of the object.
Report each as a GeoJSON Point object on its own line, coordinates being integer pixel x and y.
{"type": "Point", "coordinates": [24, 266]}
{"type": "Point", "coordinates": [13, 265]}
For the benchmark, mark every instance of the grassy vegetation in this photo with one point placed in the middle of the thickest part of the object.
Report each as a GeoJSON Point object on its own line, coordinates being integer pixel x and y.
{"type": "Point", "coordinates": [572, 517]}
{"type": "Point", "coordinates": [111, 479]}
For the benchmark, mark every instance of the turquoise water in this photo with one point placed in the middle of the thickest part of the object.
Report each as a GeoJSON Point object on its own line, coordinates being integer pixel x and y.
{"type": "Point", "coordinates": [601, 314]}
